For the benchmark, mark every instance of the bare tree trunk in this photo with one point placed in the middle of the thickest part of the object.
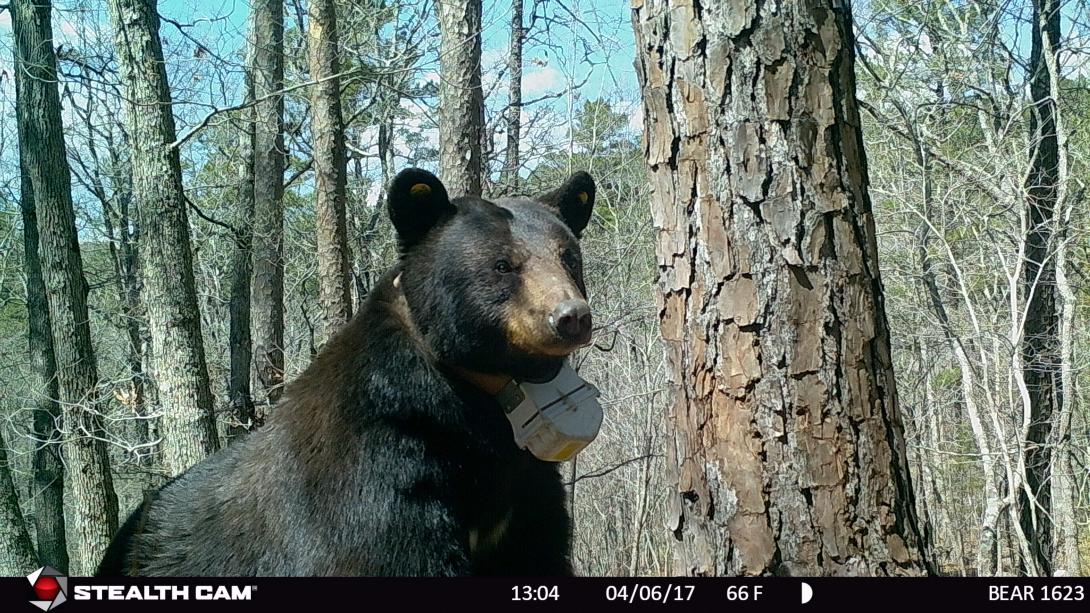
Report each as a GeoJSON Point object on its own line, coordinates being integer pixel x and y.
{"type": "Point", "coordinates": [42, 157]}
{"type": "Point", "coordinates": [1065, 535]}
{"type": "Point", "coordinates": [267, 308]}
{"type": "Point", "coordinates": [988, 543]}
{"type": "Point", "coordinates": [187, 425]}
{"type": "Point", "coordinates": [16, 551]}
{"type": "Point", "coordinates": [788, 448]}
{"type": "Point", "coordinates": [510, 176]}
{"type": "Point", "coordinates": [933, 478]}
{"type": "Point", "coordinates": [240, 344]}
{"type": "Point", "coordinates": [1040, 344]}
{"type": "Point", "coordinates": [330, 168]}
{"type": "Point", "coordinates": [48, 466]}
{"type": "Point", "coordinates": [127, 264]}
{"type": "Point", "coordinates": [120, 233]}
{"type": "Point", "coordinates": [461, 99]}
{"type": "Point", "coordinates": [1066, 558]}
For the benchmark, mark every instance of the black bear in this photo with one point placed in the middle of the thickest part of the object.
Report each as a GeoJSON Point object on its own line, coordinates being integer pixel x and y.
{"type": "Point", "coordinates": [390, 454]}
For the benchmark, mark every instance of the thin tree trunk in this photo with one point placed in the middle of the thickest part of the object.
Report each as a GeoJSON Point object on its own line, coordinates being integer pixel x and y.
{"type": "Point", "coordinates": [48, 480]}
{"type": "Point", "coordinates": [16, 551]}
{"type": "Point", "coordinates": [128, 267]}
{"type": "Point", "coordinates": [461, 99]}
{"type": "Point", "coordinates": [187, 425]}
{"type": "Point", "coordinates": [643, 481]}
{"type": "Point", "coordinates": [240, 344]}
{"type": "Point", "coordinates": [267, 307]}
{"type": "Point", "coordinates": [119, 232]}
{"type": "Point", "coordinates": [914, 433]}
{"type": "Point", "coordinates": [330, 168]}
{"type": "Point", "coordinates": [42, 157]}
{"type": "Point", "coordinates": [1040, 346]}
{"type": "Point", "coordinates": [988, 543]}
{"type": "Point", "coordinates": [510, 176]}
{"type": "Point", "coordinates": [1065, 535]}
{"type": "Point", "coordinates": [933, 478]}
{"type": "Point", "coordinates": [788, 449]}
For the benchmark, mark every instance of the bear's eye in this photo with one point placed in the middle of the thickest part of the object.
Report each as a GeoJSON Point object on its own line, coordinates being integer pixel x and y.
{"type": "Point", "coordinates": [503, 267]}
{"type": "Point", "coordinates": [570, 260]}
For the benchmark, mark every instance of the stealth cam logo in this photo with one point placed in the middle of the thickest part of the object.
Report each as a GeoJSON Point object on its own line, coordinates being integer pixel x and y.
{"type": "Point", "coordinates": [50, 586]}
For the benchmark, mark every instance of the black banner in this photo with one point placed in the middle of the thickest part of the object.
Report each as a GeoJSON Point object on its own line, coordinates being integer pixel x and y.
{"type": "Point", "coordinates": [319, 595]}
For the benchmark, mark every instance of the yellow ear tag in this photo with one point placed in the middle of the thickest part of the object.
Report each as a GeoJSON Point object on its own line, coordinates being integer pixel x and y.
{"type": "Point", "coordinates": [583, 197]}
{"type": "Point", "coordinates": [420, 189]}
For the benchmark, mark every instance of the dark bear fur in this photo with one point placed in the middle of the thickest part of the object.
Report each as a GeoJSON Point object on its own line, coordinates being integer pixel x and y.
{"type": "Point", "coordinates": [383, 458]}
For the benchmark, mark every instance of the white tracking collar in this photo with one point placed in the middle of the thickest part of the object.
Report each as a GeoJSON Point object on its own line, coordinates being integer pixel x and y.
{"type": "Point", "coordinates": [553, 420]}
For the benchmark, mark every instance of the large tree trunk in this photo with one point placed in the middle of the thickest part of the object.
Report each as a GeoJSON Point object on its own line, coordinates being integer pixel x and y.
{"type": "Point", "coordinates": [510, 175]}
{"type": "Point", "coordinates": [1040, 345]}
{"type": "Point", "coordinates": [187, 424]}
{"type": "Point", "coordinates": [461, 99]}
{"type": "Point", "coordinates": [267, 308]}
{"type": "Point", "coordinates": [48, 465]}
{"type": "Point", "coordinates": [42, 156]}
{"type": "Point", "coordinates": [16, 551]}
{"type": "Point", "coordinates": [330, 169]}
{"type": "Point", "coordinates": [788, 448]}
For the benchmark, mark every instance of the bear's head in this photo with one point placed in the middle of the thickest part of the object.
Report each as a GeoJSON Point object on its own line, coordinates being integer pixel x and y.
{"type": "Point", "coordinates": [494, 286]}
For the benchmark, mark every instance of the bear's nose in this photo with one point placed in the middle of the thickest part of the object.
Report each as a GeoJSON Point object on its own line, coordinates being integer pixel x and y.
{"type": "Point", "coordinates": [572, 321]}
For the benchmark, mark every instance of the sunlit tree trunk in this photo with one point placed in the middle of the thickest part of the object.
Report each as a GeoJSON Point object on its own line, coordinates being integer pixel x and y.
{"type": "Point", "coordinates": [330, 170]}
{"type": "Point", "coordinates": [187, 424]}
{"type": "Point", "coordinates": [788, 451]}
{"type": "Point", "coordinates": [267, 307]}
{"type": "Point", "coordinates": [461, 102]}
{"type": "Point", "coordinates": [90, 493]}
{"type": "Point", "coordinates": [510, 175]}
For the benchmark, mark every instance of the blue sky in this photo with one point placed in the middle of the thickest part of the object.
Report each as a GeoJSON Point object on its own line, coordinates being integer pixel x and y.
{"type": "Point", "coordinates": [556, 57]}
{"type": "Point", "coordinates": [591, 45]}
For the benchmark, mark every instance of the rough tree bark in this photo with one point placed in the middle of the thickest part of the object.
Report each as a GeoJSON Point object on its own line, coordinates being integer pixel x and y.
{"type": "Point", "coordinates": [509, 178]}
{"type": "Point", "coordinates": [330, 167]}
{"type": "Point", "coordinates": [461, 99]}
{"type": "Point", "coordinates": [267, 307]}
{"type": "Point", "coordinates": [90, 494]}
{"type": "Point", "coordinates": [48, 466]}
{"type": "Point", "coordinates": [788, 448]}
{"type": "Point", "coordinates": [187, 425]}
{"type": "Point", "coordinates": [16, 551]}
{"type": "Point", "coordinates": [1040, 341]}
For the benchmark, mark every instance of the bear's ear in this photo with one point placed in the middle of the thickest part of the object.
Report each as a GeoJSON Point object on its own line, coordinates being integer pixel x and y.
{"type": "Point", "coordinates": [416, 201]}
{"type": "Point", "coordinates": [573, 201]}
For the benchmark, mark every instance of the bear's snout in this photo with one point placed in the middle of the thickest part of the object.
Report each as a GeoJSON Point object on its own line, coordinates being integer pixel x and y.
{"type": "Point", "coordinates": [571, 319]}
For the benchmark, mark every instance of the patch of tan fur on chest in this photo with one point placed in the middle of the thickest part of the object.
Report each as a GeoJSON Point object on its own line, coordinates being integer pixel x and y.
{"type": "Point", "coordinates": [484, 539]}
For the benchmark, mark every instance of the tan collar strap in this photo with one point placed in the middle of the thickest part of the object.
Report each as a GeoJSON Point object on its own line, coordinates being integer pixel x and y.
{"type": "Point", "coordinates": [487, 382]}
